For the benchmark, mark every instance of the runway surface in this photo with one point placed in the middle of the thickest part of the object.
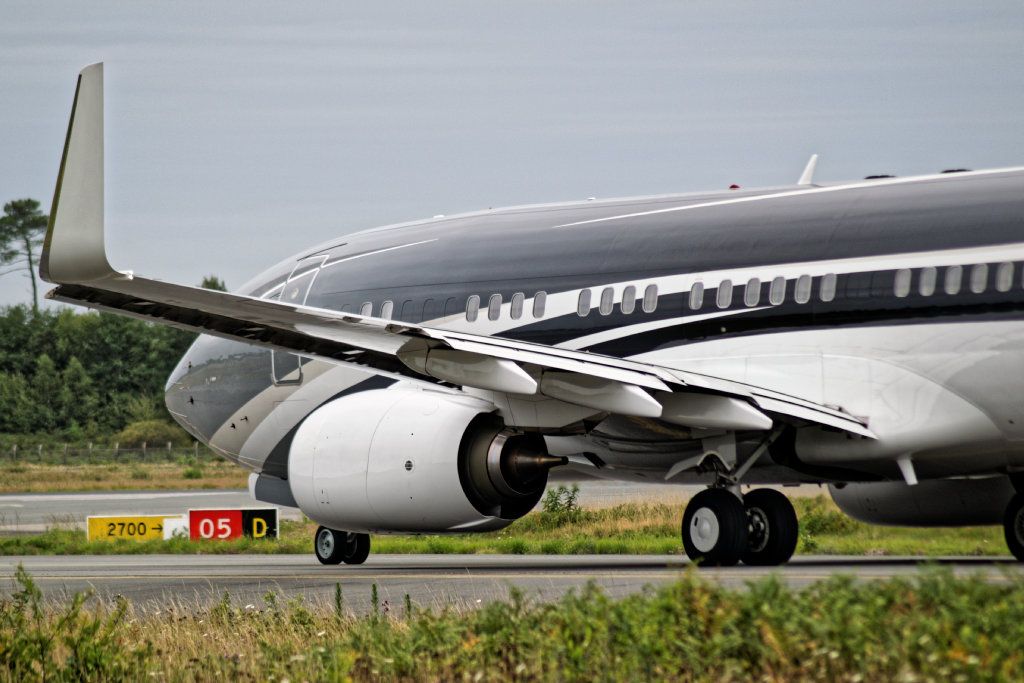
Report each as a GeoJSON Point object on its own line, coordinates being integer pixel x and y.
{"type": "Point", "coordinates": [430, 580]}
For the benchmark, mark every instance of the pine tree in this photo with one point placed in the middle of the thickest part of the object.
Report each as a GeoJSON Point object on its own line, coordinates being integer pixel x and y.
{"type": "Point", "coordinates": [21, 236]}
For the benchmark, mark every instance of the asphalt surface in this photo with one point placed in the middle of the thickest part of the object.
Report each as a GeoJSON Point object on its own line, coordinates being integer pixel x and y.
{"type": "Point", "coordinates": [152, 581]}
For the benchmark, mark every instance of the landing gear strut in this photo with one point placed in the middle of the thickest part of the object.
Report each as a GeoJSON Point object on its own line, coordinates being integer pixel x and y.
{"type": "Point", "coordinates": [720, 530]}
{"type": "Point", "coordinates": [335, 547]}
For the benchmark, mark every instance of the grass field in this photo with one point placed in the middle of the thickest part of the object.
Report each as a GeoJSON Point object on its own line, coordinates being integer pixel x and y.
{"type": "Point", "coordinates": [188, 474]}
{"type": "Point", "coordinates": [930, 628]}
{"type": "Point", "coordinates": [647, 528]}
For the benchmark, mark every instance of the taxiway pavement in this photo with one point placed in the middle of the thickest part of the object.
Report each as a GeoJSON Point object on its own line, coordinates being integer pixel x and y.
{"type": "Point", "coordinates": [429, 580]}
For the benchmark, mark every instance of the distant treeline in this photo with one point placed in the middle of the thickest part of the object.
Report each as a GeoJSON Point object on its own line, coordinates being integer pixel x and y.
{"type": "Point", "coordinates": [82, 376]}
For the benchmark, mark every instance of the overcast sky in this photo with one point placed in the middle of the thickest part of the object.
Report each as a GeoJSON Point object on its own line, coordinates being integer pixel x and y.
{"type": "Point", "coordinates": [237, 134]}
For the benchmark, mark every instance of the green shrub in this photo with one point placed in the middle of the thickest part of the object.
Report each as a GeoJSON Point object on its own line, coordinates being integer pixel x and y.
{"type": "Point", "coordinates": [818, 516]}
{"type": "Point", "coordinates": [153, 433]}
{"type": "Point", "coordinates": [192, 473]}
{"type": "Point", "coordinates": [561, 506]}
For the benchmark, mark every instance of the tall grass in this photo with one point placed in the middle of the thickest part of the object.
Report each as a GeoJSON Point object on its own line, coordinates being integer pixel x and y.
{"type": "Point", "coordinates": [930, 627]}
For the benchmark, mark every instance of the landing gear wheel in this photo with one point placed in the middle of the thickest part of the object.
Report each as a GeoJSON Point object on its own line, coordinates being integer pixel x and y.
{"type": "Point", "coordinates": [772, 529]}
{"type": "Point", "coordinates": [335, 547]}
{"type": "Point", "coordinates": [715, 528]}
{"type": "Point", "coordinates": [329, 545]}
{"type": "Point", "coordinates": [1013, 526]}
{"type": "Point", "coordinates": [357, 548]}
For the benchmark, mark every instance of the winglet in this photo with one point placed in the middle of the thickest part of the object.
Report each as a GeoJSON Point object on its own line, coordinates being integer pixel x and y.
{"type": "Point", "coordinates": [806, 178]}
{"type": "Point", "coordinates": [73, 251]}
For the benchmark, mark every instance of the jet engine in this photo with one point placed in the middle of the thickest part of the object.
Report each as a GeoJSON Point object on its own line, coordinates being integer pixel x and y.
{"type": "Point", "coordinates": [934, 502]}
{"type": "Point", "coordinates": [409, 460]}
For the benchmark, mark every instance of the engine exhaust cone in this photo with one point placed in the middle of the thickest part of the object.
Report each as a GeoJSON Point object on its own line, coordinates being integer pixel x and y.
{"type": "Point", "coordinates": [524, 470]}
{"type": "Point", "coordinates": [518, 464]}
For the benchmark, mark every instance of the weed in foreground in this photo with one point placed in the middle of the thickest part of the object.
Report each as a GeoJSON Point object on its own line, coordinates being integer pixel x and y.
{"type": "Point", "coordinates": [67, 643]}
{"type": "Point", "coordinates": [933, 626]}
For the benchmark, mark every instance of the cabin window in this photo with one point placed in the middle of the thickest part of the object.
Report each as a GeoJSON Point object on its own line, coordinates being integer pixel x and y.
{"type": "Point", "coordinates": [979, 278]}
{"type": "Point", "coordinates": [516, 309]}
{"type": "Point", "coordinates": [696, 296]}
{"type": "Point", "coordinates": [802, 291]}
{"type": "Point", "coordinates": [387, 309]}
{"type": "Point", "coordinates": [827, 287]}
{"type": "Point", "coordinates": [539, 300]}
{"type": "Point", "coordinates": [583, 305]}
{"type": "Point", "coordinates": [724, 295]}
{"type": "Point", "coordinates": [752, 292]}
{"type": "Point", "coordinates": [650, 303]}
{"type": "Point", "coordinates": [607, 301]}
{"type": "Point", "coordinates": [494, 307]}
{"type": "Point", "coordinates": [954, 276]}
{"type": "Point", "coordinates": [472, 308]}
{"type": "Point", "coordinates": [926, 285]}
{"type": "Point", "coordinates": [628, 303]}
{"type": "Point", "coordinates": [777, 292]}
{"type": "Point", "coordinates": [901, 285]}
{"type": "Point", "coordinates": [1004, 277]}
{"type": "Point", "coordinates": [366, 308]}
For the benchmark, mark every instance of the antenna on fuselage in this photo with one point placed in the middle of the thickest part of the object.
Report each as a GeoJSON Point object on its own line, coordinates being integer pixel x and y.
{"type": "Point", "coordinates": [807, 177]}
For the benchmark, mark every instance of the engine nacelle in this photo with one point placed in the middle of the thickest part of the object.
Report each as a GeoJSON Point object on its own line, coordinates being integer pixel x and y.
{"type": "Point", "coordinates": [406, 460]}
{"type": "Point", "coordinates": [934, 502]}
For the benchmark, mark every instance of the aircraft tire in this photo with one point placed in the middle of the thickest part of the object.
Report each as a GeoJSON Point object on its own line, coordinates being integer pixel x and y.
{"type": "Point", "coordinates": [1013, 526]}
{"type": "Point", "coordinates": [773, 529]}
{"type": "Point", "coordinates": [714, 528]}
{"type": "Point", "coordinates": [329, 545]}
{"type": "Point", "coordinates": [357, 549]}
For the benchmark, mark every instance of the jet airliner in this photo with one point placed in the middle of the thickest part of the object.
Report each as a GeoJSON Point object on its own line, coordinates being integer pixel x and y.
{"type": "Point", "coordinates": [431, 376]}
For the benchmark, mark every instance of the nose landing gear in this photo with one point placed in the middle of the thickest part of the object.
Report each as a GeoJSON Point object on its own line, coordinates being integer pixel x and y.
{"type": "Point", "coordinates": [335, 547]}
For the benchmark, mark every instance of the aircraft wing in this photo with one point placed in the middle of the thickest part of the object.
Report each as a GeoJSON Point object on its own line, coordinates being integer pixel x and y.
{"type": "Point", "coordinates": [74, 258]}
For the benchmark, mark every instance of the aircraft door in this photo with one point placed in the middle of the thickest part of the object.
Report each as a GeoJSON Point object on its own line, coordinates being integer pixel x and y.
{"type": "Point", "coordinates": [286, 367]}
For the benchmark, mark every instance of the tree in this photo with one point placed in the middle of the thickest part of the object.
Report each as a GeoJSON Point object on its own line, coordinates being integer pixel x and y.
{"type": "Point", "coordinates": [21, 236]}
{"type": "Point", "coordinates": [47, 387]}
{"type": "Point", "coordinates": [213, 282]}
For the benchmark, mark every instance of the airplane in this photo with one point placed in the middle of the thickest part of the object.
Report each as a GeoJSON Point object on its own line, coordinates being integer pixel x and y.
{"type": "Point", "coordinates": [430, 377]}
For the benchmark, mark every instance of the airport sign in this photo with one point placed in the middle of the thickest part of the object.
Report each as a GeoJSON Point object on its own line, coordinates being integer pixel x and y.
{"type": "Point", "coordinates": [131, 527]}
{"type": "Point", "coordinates": [229, 524]}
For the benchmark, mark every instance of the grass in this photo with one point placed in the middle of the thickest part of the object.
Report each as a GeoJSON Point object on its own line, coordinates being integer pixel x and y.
{"type": "Point", "coordinates": [930, 627]}
{"type": "Point", "coordinates": [34, 478]}
{"type": "Point", "coordinates": [635, 528]}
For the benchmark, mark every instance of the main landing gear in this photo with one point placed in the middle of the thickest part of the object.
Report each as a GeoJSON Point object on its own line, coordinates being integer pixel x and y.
{"type": "Point", "coordinates": [1013, 526]}
{"type": "Point", "coordinates": [720, 529]}
{"type": "Point", "coordinates": [335, 547]}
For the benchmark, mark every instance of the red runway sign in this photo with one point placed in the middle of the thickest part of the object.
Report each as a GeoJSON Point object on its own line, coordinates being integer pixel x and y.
{"type": "Point", "coordinates": [224, 525]}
